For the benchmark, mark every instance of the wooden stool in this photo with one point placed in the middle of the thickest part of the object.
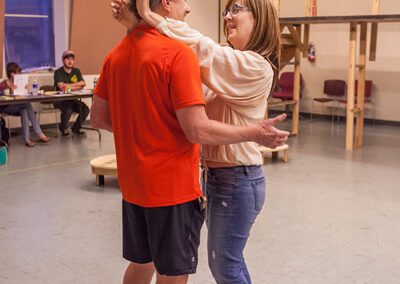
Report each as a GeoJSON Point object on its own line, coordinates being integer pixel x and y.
{"type": "Point", "coordinates": [104, 166]}
{"type": "Point", "coordinates": [275, 152]}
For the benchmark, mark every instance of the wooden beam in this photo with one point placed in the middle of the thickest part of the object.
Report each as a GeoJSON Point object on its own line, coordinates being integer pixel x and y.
{"type": "Point", "coordinates": [374, 42]}
{"type": "Point", "coordinates": [374, 31]}
{"type": "Point", "coordinates": [287, 54]}
{"type": "Point", "coordinates": [361, 86]}
{"type": "Point", "coordinates": [296, 35]}
{"type": "Point", "coordinates": [351, 86]}
{"type": "Point", "coordinates": [306, 40]}
{"type": "Point", "coordinates": [287, 39]}
{"type": "Point", "coordinates": [2, 12]}
{"type": "Point", "coordinates": [296, 88]}
{"type": "Point", "coordinates": [375, 6]}
{"type": "Point", "coordinates": [306, 37]}
{"type": "Point", "coordinates": [308, 8]}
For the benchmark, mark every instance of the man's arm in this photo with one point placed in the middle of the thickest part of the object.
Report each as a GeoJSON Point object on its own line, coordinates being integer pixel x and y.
{"type": "Point", "coordinates": [198, 128]}
{"type": "Point", "coordinates": [77, 86]}
{"type": "Point", "coordinates": [80, 84]}
{"type": "Point", "coordinates": [100, 116]}
{"type": "Point", "coordinates": [58, 80]}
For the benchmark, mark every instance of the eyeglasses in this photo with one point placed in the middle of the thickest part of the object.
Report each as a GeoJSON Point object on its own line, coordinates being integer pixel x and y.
{"type": "Point", "coordinates": [234, 10]}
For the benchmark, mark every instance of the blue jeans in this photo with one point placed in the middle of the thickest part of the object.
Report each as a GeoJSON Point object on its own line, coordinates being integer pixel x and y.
{"type": "Point", "coordinates": [235, 198]}
{"type": "Point", "coordinates": [27, 114]}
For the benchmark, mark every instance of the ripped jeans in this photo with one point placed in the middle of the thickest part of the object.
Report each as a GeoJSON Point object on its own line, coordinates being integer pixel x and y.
{"type": "Point", "coordinates": [235, 198]}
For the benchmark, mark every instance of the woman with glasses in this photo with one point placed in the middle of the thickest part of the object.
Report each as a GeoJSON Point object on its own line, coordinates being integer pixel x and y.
{"type": "Point", "coordinates": [238, 79]}
{"type": "Point", "coordinates": [25, 111]}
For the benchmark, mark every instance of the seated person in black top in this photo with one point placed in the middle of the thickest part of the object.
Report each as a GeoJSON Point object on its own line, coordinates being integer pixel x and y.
{"type": "Point", "coordinates": [69, 78]}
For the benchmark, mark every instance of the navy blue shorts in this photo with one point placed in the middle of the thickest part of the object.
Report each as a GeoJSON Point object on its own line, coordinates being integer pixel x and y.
{"type": "Point", "coordinates": [168, 236]}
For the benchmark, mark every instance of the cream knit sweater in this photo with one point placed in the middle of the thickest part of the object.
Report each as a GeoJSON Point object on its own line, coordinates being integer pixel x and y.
{"type": "Point", "coordinates": [236, 87]}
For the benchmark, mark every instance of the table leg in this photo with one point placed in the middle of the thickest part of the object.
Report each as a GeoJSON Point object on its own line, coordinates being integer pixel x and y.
{"type": "Point", "coordinates": [99, 180]}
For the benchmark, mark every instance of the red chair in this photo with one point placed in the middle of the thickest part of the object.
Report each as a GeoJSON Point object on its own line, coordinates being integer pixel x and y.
{"type": "Point", "coordinates": [367, 96]}
{"type": "Point", "coordinates": [285, 91]}
{"type": "Point", "coordinates": [333, 89]}
{"type": "Point", "coordinates": [286, 85]}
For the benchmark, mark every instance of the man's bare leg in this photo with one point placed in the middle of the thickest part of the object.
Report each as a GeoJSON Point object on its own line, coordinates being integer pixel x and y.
{"type": "Point", "coordinates": [139, 273]}
{"type": "Point", "coordinates": [162, 279]}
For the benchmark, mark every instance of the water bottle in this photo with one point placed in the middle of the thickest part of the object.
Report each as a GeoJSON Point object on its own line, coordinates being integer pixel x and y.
{"type": "Point", "coordinates": [35, 88]}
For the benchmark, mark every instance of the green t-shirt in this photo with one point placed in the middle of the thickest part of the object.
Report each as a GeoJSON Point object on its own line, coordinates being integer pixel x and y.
{"type": "Point", "coordinates": [60, 76]}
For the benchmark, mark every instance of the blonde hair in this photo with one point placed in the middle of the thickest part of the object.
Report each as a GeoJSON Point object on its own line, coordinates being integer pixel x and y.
{"type": "Point", "coordinates": [265, 38]}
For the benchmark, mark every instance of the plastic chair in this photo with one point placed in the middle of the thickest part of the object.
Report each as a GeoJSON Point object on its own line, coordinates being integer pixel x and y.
{"type": "Point", "coordinates": [333, 89]}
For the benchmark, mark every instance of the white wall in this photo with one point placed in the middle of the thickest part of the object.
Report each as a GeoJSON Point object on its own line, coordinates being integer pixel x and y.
{"type": "Point", "coordinates": [60, 29]}
{"type": "Point", "coordinates": [204, 17]}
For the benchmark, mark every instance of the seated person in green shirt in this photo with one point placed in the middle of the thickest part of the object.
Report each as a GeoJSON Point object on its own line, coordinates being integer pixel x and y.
{"type": "Point", "coordinates": [68, 77]}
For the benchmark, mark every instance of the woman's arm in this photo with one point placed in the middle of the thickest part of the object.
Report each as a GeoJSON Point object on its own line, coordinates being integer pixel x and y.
{"type": "Point", "coordinates": [240, 77]}
{"type": "Point", "coordinates": [153, 19]}
{"type": "Point", "coordinates": [121, 13]}
{"type": "Point", "coordinates": [7, 84]}
{"type": "Point", "coordinates": [3, 85]}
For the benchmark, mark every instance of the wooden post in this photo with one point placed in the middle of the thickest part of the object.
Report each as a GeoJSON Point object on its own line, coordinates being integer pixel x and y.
{"type": "Point", "coordinates": [306, 40]}
{"type": "Point", "coordinates": [375, 6]}
{"type": "Point", "coordinates": [361, 86]}
{"type": "Point", "coordinates": [308, 8]}
{"type": "Point", "coordinates": [2, 12]}
{"type": "Point", "coordinates": [296, 88]}
{"type": "Point", "coordinates": [306, 37]}
{"type": "Point", "coordinates": [277, 4]}
{"type": "Point", "coordinates": [374, 31]}
{"type": "Point", "coordinates": [350, 87]}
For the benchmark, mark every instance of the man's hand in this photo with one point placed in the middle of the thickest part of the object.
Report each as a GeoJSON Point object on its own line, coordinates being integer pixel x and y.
{"type": "Point", "coordinates": [269, 135]}
{"type": "Point", "coordinates": [121, 13]}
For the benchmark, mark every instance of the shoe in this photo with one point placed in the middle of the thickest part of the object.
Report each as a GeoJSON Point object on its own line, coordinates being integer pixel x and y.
{"type": "Point", "coordinates": [65, 133]}
{"type": "Point", "coordinates": [79, 132]}
{"type": "Point", "coordinates": [29, 143]}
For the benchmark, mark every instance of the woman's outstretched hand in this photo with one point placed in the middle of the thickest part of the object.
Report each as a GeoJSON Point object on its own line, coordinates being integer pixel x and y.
{"type": "Point", "coordinates": [151, 18]}
{"type": "Point", "coordinates": [121, 13]}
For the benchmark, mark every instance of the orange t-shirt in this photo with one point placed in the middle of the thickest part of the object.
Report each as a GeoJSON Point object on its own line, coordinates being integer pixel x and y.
{"type": "Point", "coordinates": [146, 78]}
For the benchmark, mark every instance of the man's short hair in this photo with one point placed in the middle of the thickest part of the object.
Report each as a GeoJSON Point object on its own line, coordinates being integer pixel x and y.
{"type": "Point", "coordinates": [12, 67]}
{"type": "Point", "coordinates": [132, 6]}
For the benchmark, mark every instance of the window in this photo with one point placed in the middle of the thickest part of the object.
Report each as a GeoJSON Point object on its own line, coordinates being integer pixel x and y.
{"type": "Point", "coordinates": [29, 33]}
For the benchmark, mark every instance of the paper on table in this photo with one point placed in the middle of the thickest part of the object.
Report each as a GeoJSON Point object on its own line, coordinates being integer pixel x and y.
{"type": "Point", "coordinates": [82, 92]}
{"type": "Point", "coordinates": [21, 80]}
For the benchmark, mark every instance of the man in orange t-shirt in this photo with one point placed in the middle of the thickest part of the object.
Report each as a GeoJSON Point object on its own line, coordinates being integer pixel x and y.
{"type": "Point", "coordinates": [149, 95]}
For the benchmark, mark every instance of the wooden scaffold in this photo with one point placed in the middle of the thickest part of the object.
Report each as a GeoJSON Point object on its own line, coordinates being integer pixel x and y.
{"type": "Point", "coordinates": [296, 41]}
